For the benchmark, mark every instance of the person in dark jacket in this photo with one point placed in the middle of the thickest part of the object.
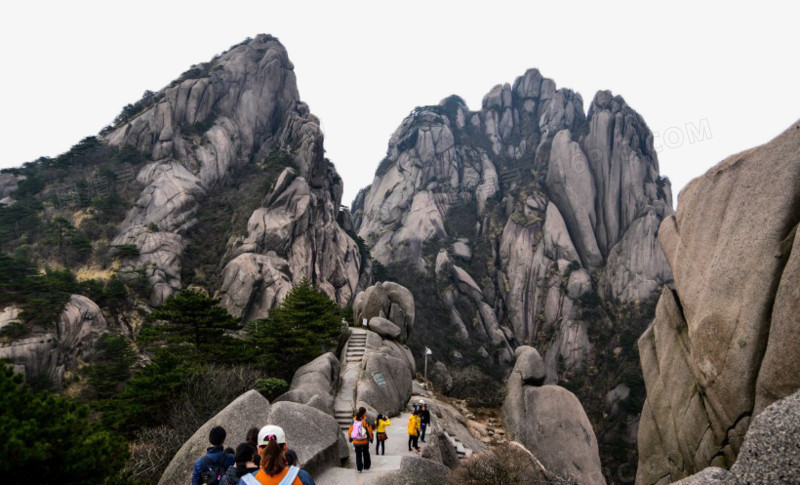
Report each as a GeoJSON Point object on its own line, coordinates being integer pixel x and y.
{"type": "Point", "coordinates": [215, 455]}
{"type": "Point", "coordinates": [252, 439]}
{"type": "Point", "coordinates": [244, 464]}
{"type": "Point", "coordinates": [424, 418]}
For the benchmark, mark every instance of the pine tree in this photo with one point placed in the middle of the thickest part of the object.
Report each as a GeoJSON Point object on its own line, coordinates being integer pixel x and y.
{"type": "Point", "coordinates": [46, 438]}
{"type": "Point", "coordinates": [194, 316]}
{"type": "Point", "coordinates": [305, 325]}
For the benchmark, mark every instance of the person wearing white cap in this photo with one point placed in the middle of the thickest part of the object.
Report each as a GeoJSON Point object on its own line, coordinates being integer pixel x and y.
{"type": "Point", "coordinates": [273, 465]}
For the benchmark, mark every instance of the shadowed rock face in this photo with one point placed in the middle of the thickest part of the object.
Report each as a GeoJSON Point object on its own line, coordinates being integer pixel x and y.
{"type": "Point", "coordinates": [519, 210]}
{"type": "Point", "coordinates": [724, 343]}
{"type": "Point", "coordinates": [248, 101]}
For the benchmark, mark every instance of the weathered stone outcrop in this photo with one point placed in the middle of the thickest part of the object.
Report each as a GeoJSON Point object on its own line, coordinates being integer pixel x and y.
{"type": "Point", "coordinates": [384, 383]}
{"type": "Point", "coordinates": [387, 367]}
{"type": "Point", "coordinates": [315, 383]}
{"type": "Point", "coordinates": [50, 354]}
{"type": "Point", "coordinates": [550, 421]}
{"type": "Point", "coordinates": [416, 471]}
{"type": "Point", "coordinates": [8, 184]}
{"type": "Point", "coordinates": [390, 301]}
{"type": "Point", "coordinates": [769, 454]}
{"type": "Point", "coordinates": [724, 343]}
{"type": "Point", "coordinates": [312, 434]}
{"type": "Point", "coordinates": [241, 108]}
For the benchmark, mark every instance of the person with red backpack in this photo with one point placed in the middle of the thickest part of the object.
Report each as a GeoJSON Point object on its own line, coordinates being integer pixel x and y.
{"type": "Point", "coordinates": [360, 434]}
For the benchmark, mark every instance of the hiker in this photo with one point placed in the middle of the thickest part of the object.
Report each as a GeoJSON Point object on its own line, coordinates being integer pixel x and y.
{"type": "Point", "coordinates": [211, 467]}
{"type": "Point", "coordinates": [413, 430]}
{"type": "Point", "coordinates": [274, 468]}
{"type": "Point", "coordinates": [251, 438]}
{"type": "Point", "coordinates": [424, 418]}
{"type": "Point", "coordinates": [244, 463]}
{"type": "Point", "coordinates": [360, 434]}
{"type": "Point", "coordinates": [381, 422]}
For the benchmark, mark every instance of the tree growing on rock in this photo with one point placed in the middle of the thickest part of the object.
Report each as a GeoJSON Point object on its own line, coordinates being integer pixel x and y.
{"type": "Point", "coordinates": [192, 316]}
{"type": "Point", "coordinates": [305, 325]}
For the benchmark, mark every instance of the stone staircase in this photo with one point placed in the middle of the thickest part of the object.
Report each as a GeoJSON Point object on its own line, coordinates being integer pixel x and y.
{"type": "Point", "coordinates": [351, 364]}
{"type": "Point", "coordinates": [356, 346]}
{"type": "Point", "coordinates": [461, 450]}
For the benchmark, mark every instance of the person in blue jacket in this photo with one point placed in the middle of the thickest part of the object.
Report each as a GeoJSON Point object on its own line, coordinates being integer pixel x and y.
{"type": "Point", "coordinates": [215, 456]}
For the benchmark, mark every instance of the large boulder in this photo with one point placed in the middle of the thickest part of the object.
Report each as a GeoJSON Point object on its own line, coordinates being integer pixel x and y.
{"type": "Point", "coordinates": [251, 409]}
{"type": "Point", "coordinates": [313, 434]}
{"type": "Point", "coordinates": [384, 327]}
{"type": "Point", "coordinates": [530, 366]}
{"type": "Point", "coordinates": [769, 454]}
{"type": "Point", "coordinates": [315, 383]}
{"type": "Point", "coordinates": [385, 381]}
{"type": "Point", "coordinates": [550, 421]}
{"type": "Point", "coordinates": [387, 300]}
{"type": "Point", "coordinates": [416, 471]}
{"type": "Point", "coordinates": [80, 325]}
{"type": "Point", "coordinates": [724, 343]}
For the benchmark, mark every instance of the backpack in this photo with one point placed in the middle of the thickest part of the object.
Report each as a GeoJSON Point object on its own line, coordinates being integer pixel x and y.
{"type": "Point", "coordinates": [212, 473]}
{"type": "Point", "coordinates": [359, 431]}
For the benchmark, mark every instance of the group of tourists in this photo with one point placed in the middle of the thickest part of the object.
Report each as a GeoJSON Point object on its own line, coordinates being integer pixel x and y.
{"type": "Point", "coordinates": [360, 433]}
{"type": "Point", "coordinates": [264, 458]}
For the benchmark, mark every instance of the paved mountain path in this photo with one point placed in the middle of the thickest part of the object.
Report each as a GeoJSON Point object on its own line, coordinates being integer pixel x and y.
{"type": "Point", "coordinates": [396, 448]}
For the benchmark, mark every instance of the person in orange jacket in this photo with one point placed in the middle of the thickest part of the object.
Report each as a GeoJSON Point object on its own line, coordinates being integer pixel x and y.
{"type": "Point", "coordinates": [274, 469]}
{"type": "Point", "coordinates": [360, 434]}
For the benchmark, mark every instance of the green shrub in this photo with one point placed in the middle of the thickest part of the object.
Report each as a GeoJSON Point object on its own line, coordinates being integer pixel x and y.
{"type": "Point", "coordinates": [126, 251]}
{"type": "Point", "coordinates": [271, 387]}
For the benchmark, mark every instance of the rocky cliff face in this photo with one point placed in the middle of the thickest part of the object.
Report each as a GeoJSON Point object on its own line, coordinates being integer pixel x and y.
{"type": "Point", "coordinates": [519, 212]}
{"type": "Point", "coordinates": [51, 353]}
{"type": "Point", "coordinates": [724, 343]}
{"type": "Point", "coordinates": [240, 109]}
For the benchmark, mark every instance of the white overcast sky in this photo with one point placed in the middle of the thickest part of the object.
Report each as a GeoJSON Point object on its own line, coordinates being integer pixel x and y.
{"type": "Point", "coordinates": [710, 80]}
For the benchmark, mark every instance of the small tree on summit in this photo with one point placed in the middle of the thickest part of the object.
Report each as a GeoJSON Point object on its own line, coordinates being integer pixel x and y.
{"type": "Point", "coordinates": [305, 325]}
{"type": "Point", "coordinates": [194, 316]}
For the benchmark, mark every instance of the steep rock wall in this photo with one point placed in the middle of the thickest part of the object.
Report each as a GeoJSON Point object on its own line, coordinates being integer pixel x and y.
{"type": "Point", "coordinates": [724, 343]}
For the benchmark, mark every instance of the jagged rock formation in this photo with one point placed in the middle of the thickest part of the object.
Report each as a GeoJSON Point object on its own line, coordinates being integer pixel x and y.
{"type": "Point", "coordinates": [724, 343]}
{"type": "Point", "coordinates": [550, 421]}
{"type": "Point", "coordinates": [241, 108]}
{"type": "Point", "coordinates": [518, 211]}
{"type": "Point", "coordinates": [50, 354]}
